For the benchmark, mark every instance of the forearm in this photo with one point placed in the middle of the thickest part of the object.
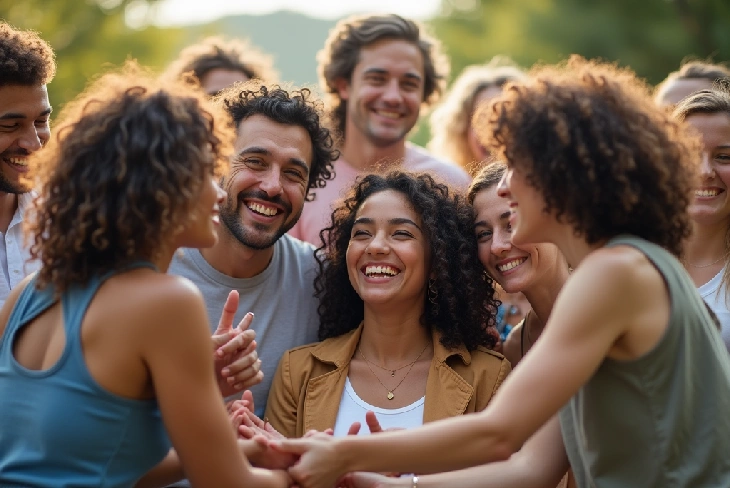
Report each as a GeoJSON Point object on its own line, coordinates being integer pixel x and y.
{"type": "Point", "coordinates": [168, 471]}
{"type": "Point", "coordinates": [456, 443]}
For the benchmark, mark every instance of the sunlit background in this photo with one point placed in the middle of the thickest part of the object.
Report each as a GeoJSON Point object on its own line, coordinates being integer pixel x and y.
{"type": "Point", "coordinates": [650, 36]}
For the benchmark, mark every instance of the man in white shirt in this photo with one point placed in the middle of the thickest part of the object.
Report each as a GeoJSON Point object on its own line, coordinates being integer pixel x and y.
{"type": "Point", "coordinates": [378, 71]}
{"type": "Point", "coordinates": [27, 65]}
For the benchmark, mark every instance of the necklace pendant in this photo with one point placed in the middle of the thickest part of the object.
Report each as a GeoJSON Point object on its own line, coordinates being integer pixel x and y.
{"type": "Point", "coordinates": [390, 395]}
{"type": "Point", "coordinates": [392, 373]}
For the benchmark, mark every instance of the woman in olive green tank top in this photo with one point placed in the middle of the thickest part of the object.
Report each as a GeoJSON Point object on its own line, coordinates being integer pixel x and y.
{"type": "Point", "coordinates": [630, 377]}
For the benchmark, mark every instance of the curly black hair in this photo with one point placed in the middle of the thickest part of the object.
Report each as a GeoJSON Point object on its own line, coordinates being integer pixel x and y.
{"type": "Point", "coordinates": [25, 58]}
{"type": "Point", "coordinates": [465, 309]}
{"type": "Point", "coordinates": [293, 107]}
{"type": "Point", "coordinates": [605, 158]}
{"type": "Point", "coordinates": [120, 175]}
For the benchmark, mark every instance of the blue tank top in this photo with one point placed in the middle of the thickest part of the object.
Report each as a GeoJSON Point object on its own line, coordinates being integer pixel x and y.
{"type": "Point", "coordinates": [59, 427]}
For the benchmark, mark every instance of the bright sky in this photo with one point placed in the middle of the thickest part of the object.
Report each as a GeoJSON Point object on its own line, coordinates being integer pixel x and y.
{"type": "Point", "coordinates": [181, 12]}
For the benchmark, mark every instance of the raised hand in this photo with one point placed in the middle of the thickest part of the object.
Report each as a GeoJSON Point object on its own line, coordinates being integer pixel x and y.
{"type": "Point", "coordinates": [237, 365]}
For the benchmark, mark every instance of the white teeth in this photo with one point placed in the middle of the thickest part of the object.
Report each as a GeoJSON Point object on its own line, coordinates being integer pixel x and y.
{"type": "Point", "coordinates": [707, 193]}
{"type": "Point", "coordinates": [511, 264]}
{"type": "Point", "coordinates": [19, 161]}
{"type": "Point", "coordinates": [380, 270]}
{"type": "Point", "coordinates": [258, 208]}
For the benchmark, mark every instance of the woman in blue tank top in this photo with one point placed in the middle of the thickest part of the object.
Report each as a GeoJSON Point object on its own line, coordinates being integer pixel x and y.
{"type": "Point", "coordinates": [105, 360]}
{"type": "Point", "coordinates": [630, 381]}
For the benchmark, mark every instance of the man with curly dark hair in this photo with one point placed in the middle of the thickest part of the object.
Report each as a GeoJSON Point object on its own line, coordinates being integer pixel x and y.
{"type": "Point", "coordinates": [27, 65]}
{"type": "Point", "coordinates": [282, 155]}
{"type": "Point", "coordinates": [378, 72]}
{"type": "Point", "coordinates": [217, 63]}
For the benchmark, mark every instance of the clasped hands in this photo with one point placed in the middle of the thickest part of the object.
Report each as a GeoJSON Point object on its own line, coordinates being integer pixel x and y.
{"type": "Point", "coordinates": [271, 453]}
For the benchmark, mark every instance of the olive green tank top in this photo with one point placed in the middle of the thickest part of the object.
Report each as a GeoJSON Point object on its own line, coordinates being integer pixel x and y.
{"type": "Point", "coordinates": [662, 420]}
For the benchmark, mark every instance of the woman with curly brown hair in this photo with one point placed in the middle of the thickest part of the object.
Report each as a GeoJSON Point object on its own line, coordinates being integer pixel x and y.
{"type": "Point", "coordinates": [629, 381]}
{"type": "Point", "coordinates": [105, 359]}
{"type": "Point", "coordinates": [707, 251]}
{"type": "Point", "coordinates": [406, 315]}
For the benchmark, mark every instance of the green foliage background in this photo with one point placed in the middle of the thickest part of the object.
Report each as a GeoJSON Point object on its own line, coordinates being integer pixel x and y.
{"type": "Point", "coordinates": [651, 36]}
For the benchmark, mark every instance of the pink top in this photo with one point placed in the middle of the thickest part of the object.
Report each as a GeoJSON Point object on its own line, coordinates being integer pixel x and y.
{"type": "Point", "coordinates": [317, 214]}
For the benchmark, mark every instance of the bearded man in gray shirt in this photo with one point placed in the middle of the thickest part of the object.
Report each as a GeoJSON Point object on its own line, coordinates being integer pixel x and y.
{"type": "Point", "coordinates": [282, 153]}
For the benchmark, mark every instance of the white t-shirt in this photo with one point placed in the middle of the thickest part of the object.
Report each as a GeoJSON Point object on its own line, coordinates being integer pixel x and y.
{"type": "Point", "coordinates": [717, 300]}
{"type": "Point", "coordinates": [353, 409]}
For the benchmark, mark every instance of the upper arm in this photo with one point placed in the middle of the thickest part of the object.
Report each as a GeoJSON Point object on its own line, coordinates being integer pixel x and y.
{"type": "Point", "coordinates": [282, 404]}
{"type": "Point", "coordinates": [588, 318]}
{"type": "Point", "coordinates": [10, 302]}
{"type": "Point", "coordinates": [179, 354]}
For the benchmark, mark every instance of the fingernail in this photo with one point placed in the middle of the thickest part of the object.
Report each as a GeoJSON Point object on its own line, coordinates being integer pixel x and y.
{"type": "Point", "coordinates": [225, 371]}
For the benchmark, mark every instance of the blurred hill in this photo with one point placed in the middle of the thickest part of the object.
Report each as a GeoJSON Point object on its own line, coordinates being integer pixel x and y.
{"type": "Point", "coordinates": [293, 39]}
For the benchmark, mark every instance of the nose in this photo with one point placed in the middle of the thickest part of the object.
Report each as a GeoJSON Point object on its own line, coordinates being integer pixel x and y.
{"type": "Point", "coordinates": [392, 93]}
{"type": "Point", "coordinates": [30, 140]}
{"type": "Point", "coordinates": [503, 185]}
{"type": "Point", "coordinates": [221, 194]}
{"type": "Point", "coordinates": [271, 182]}
{"type": "Point", "coordinates": [501, 242]}
{"type": "Point", "coordinates": [706, 169]}
{"type": "Point", "coordinates": [378, 244]}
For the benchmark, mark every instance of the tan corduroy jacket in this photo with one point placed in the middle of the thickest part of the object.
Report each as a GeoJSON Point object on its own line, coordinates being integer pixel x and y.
{"type": "Point", "coordinates": [306, 391]}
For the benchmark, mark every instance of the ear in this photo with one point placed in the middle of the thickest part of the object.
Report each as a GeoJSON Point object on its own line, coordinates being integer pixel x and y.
{"type": "Point", "coordinates": [342, 86]}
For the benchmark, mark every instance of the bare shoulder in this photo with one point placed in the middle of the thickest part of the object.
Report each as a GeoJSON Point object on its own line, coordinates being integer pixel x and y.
{"type": "Point", "coordinates": [512, 344]}
{"type": "Point", "coordinates": [622, 268]}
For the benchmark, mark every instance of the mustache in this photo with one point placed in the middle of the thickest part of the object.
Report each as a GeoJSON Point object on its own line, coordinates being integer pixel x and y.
{"type": "Point", "coordinates": [15, 153]}
{"type": "Point", "coordinates": [261, 195]}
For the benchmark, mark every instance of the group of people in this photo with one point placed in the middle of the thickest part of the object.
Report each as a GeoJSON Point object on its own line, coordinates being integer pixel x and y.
{"type": "Point", "coordinates": [342, 281]}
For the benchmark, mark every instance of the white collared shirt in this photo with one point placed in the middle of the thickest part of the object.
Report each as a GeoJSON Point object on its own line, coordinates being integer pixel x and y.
{"type": "Point", "coordinates": [14, 254]}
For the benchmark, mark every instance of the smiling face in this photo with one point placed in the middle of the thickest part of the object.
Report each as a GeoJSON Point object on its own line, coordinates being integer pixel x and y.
{"type": "Point", "coordinates": [385, 92]}
{"type": "Point", "coordinates": [201, 230]}
{"type": "Point", "coordinates": [24, 128]}
{"type": "Point", "coordinates": [530, 223]}
{"type": "Point", "coordinates": [711, 203]}
{"type": "Point", "coordinates": [514, 268]}
{"type": "Point", "coordinates": [267, 182]}
{"type": "Point", "coordinates": [388, 253]}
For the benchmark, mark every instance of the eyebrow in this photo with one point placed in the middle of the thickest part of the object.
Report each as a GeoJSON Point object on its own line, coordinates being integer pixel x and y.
{"type": "Point", "coordinates": [266, 152]}
{"type": "Point", "coordinates": [382, 71]}
{"type": "Point", "coordinates": [13, 115]}
{"type": "Point", "coordinates": [395, 221]}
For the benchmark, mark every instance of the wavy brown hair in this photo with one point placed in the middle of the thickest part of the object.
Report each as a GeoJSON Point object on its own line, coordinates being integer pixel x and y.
{"type": "Point", "coordinates": [217, 52]}
{"type": "Point", "coordinates": [694, 70]}
{"type": "Point", "coordinates": [25, 58]}
{"type": "Point", "coordinates": [465, 307]}
{"type": "Point", "coordinates": [120, 175]}
{"type": "Point", "coordinates": [341, 54]}
{"type": "Point", "coordinates": [605, 158]}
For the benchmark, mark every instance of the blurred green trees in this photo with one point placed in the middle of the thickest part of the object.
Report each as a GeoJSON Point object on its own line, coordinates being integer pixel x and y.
{"type": "Point", "coordinates": [91, 35]}
{"type": "Point", "coordinates": [650, 36]}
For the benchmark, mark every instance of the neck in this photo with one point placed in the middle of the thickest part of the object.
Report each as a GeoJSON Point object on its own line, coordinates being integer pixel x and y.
{"type": "Point", "coordinates": [392, 339]}
{"type": "Point", "coordinates": [361, 154]}
{"type": "Point", "coordinates": [706, 244]}
{"type": "Point", "coordinates": [8, 206]}
{"type": "Point", "coordinates": [542, 297]}
{"type": "Point", "coordinates": [574, 248]}
{"type": "Point", "coordinates": [230, 257]}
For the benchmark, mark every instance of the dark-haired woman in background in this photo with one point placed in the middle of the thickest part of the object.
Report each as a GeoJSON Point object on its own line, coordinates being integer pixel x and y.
{"type": "Point", "coordinates": [407, 315]}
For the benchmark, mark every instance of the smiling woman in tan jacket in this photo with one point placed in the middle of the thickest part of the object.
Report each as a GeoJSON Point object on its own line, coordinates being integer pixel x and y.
{"type": "Point", "coordinates": [407, 315]}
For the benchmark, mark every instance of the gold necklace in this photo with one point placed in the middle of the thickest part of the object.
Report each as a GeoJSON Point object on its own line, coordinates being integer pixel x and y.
{"type": "Point", "coordinates": [391, 392]}
{"type": "Point", "coordinates": [708, 265]}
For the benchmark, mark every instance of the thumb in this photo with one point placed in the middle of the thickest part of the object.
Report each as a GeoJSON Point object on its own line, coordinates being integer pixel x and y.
{"type": "Point", "coordinates": [291, 446]}
{"type": "Point", "coordinates": [225, 324]}
{"type": "Point", "coordinates": [248, 396]}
